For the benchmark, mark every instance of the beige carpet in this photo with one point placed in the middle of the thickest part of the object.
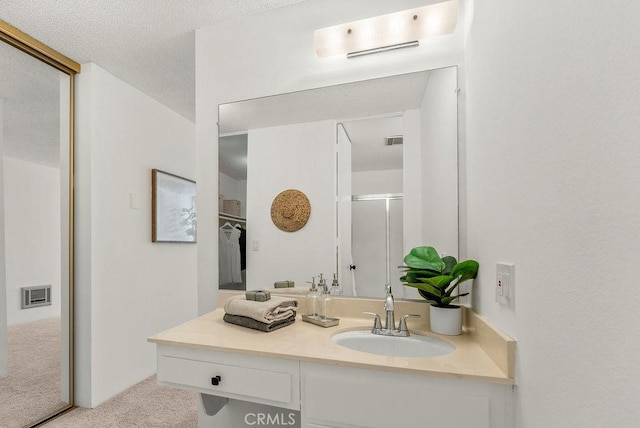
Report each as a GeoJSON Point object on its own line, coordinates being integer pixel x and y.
{"type": "Point", "coordinates": [145, 404]}
{"type": "Point", "coordinates": [31, 391]}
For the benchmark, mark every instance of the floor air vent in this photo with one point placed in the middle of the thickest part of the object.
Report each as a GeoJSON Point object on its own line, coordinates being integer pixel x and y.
{"type": "Point", "coordinates": [39, 295]}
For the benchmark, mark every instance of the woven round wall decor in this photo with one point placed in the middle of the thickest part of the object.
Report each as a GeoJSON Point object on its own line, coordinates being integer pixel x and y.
{"type": "Point", "coordinates": [290, 210]}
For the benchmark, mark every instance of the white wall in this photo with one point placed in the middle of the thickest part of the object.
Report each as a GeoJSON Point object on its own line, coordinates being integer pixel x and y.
{"type": "Point", "coordinates": [412, 181]}
{"type": "Point", "coordinates": [370, 182]}
{"type": "Point", "coordinates": [4, 352]}
{"type": "Point", "coordinates": [302, 157]}
{"type": "Point", "coordinates": [127, 288]}
{"type": "Point", "coordinates": [344, 187]}
{"type": "Point", "coordinates": [430, 155]}
{"type": "Point", "coordinates": [231, 188]}
{"type": "Point", "coordinates": [439, 160]}
{"type": "Point", "coordinates": [273, 53]}
{"type": "Point", "coordinates": [553, 178]}
{"type": "Point", "coordinates": [32, 236]}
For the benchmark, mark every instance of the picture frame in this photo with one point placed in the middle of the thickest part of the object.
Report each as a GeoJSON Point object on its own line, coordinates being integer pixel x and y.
{"type": "Point", "coordinates": [173, 208]}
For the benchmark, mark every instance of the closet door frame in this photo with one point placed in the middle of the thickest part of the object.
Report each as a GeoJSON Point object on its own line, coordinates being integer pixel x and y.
{"type": "Point", "coordinates": [27, 44]}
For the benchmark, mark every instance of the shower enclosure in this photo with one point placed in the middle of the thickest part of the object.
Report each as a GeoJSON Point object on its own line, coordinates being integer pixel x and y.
{"type": "Point", "coordinates": [376, 244]}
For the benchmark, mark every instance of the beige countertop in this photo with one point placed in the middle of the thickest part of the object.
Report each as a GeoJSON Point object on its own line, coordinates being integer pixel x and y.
{"type": "Point", "coordinates": [481, 352]}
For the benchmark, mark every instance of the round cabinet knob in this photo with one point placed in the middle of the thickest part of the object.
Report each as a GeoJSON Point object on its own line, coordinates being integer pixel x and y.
{"type": "Point", "coordinates": [215, 381]}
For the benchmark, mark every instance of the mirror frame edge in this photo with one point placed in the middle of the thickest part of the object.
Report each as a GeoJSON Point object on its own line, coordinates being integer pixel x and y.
{"type": "Point", "coordinates": [31, 46]}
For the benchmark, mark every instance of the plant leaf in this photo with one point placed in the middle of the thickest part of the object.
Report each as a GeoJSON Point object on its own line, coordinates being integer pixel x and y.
{"type": "Point", "coordinates": [424, 258]}
{"type": "Point", "coordinates": [434, 293]}
{"type": "Point", "coordinates": [439, 282]}
{"type": "Point", "coordinates": [429, 297]}
{"type": "Point", "coordinates": [449, 263]}
{"type": "Point", "coordinates": [426, 271]}
{"type": "Point", "coordinates": [465, 270]}
{"type": "Point", "coordinates": [409, 277]}
{"type": "Point", "coordinates": [449, 299]}
{"type": "Point", "coordinates": [421, 273]}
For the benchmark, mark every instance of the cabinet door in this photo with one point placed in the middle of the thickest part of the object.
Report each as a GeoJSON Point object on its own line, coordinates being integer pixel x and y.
{"type": "Point", "coordinates": [339, 397]}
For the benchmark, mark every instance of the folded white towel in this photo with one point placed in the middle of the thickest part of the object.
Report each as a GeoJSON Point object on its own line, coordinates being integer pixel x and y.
{"type": "Point", "coordinates": [275, 309]}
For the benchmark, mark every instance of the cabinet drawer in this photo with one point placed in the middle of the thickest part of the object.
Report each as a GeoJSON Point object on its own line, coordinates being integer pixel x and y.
{"type": "Point", "coordinates": [234, 381]}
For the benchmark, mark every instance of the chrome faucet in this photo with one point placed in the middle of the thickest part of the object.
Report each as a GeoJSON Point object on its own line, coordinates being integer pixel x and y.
{"type": "Point", "coordinates": [389, 325]}
{"type": "Point", "coordinates": [390, 322]}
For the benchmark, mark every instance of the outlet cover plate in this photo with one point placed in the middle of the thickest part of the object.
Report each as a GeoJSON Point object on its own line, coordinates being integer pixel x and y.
{"type": "Point", "coordinates": [505, 284]}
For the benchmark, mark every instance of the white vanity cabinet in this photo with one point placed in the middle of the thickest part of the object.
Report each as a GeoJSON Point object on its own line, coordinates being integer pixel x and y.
{"type": "Point", "coordinates": [341, 397]}
{"type": "Point", "coordinates": [328, 396]}
{"type": "Point", "coordinates": [297, 377]}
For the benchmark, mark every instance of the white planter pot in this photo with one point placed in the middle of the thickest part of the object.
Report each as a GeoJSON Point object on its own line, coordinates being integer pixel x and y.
{"type": "Point", "coordinates": [446, 321]}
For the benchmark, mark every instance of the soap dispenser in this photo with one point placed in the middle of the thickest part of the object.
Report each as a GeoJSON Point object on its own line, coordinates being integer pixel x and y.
{"type": "Point", "coordinates": [319, 311]}
{"type": "Point", "coordinates": [335, 287]}
{"type": "Point", "coordinates": [313, 299]}
{"type": "Point", "coordinates": [325, 299]}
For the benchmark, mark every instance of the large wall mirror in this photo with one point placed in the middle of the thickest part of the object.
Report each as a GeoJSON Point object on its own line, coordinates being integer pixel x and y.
{"type": "Point", "coordinates": [36, 304]}
{"type": "Point", "coordinates": [377, 160]}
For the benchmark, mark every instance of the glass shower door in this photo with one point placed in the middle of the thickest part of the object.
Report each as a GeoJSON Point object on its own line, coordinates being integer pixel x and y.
{"type": "Point", "coordinates": [376, 242]}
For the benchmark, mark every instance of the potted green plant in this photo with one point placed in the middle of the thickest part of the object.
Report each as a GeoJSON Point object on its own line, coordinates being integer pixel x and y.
{"type": "Point", "coordinates": [436, 279]}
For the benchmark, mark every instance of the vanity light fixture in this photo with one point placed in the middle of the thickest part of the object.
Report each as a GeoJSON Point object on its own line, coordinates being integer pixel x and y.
{"type": "Point", "coordinates": [387, 32]}
{"type": "Point", "coordinates": [413, 44]}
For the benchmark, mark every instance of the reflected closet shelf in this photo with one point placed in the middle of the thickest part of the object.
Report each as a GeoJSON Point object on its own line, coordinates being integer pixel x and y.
{"type": "Point", "coordinates": [225, 216]}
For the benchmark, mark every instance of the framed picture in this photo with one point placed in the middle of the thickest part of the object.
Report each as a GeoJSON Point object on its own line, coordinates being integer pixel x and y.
{"type": "Point", "coordinates": [173, 208]}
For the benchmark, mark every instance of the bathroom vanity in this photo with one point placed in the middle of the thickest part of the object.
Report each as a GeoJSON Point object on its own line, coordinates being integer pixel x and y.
{"type": "Point", "coordinates": [296, 376]}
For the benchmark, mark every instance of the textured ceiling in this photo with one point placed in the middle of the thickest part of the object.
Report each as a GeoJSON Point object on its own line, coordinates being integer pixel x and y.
{"type": "Point", "coordinates": [232, 152]}
{"type": "Point", "coordinates": [368, 149]}
{"type": "Point", "coordinates": [148, 43]}
{"type": "Point", "coordinates": [361, 99]}
{"type": "Point", "coordinates": [30, 97]}
{"type": "Point", "coordinates": [358, 105]}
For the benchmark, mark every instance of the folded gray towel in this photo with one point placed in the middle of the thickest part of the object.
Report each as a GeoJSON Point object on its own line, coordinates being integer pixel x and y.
{"type": "Point", "coordinates": [275, 309]}
{"type": "Point", "coordinates": [257, 295]}
{"type": "Point", "coordinates": [283, 284]}
{"type": "Point", "coordinates": [257, 325]}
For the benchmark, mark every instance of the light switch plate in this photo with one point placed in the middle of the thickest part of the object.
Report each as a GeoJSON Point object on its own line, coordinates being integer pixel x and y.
{"type": "Point", "coordinates": [134, 201]}
{"type": "Point", "coordinates": [505, 284]}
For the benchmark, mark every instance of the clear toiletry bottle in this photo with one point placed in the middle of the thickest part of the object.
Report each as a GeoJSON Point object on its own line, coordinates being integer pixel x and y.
{"type": "Point", "coordinates": [313, 299]}
{"type": "Point", "coordinates": [335, 287]}
{"type": "Point", "coordinates": [325, 300]}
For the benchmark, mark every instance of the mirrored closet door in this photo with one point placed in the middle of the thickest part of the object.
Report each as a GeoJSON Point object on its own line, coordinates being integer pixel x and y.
{"type": "Point", "coordinates": [36, 230]}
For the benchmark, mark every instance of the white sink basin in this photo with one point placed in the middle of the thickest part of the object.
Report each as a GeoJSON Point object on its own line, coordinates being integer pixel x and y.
{"type": "Point", "coordinates": [412, 346]}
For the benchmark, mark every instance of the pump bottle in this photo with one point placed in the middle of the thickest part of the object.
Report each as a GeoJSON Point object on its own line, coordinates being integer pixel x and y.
{"type": "Point", "coordinates": [325, 299]}
{"type": "Point", "coordinates": [313, 299]}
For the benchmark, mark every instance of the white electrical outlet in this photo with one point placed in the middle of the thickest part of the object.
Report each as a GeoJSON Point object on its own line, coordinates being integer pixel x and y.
{"type": "Point", "coordinates": [505, 284]}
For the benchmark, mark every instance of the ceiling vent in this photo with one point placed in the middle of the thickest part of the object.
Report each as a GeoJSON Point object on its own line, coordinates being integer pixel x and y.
{"type": "Point", "coordinates": [393, 140]}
